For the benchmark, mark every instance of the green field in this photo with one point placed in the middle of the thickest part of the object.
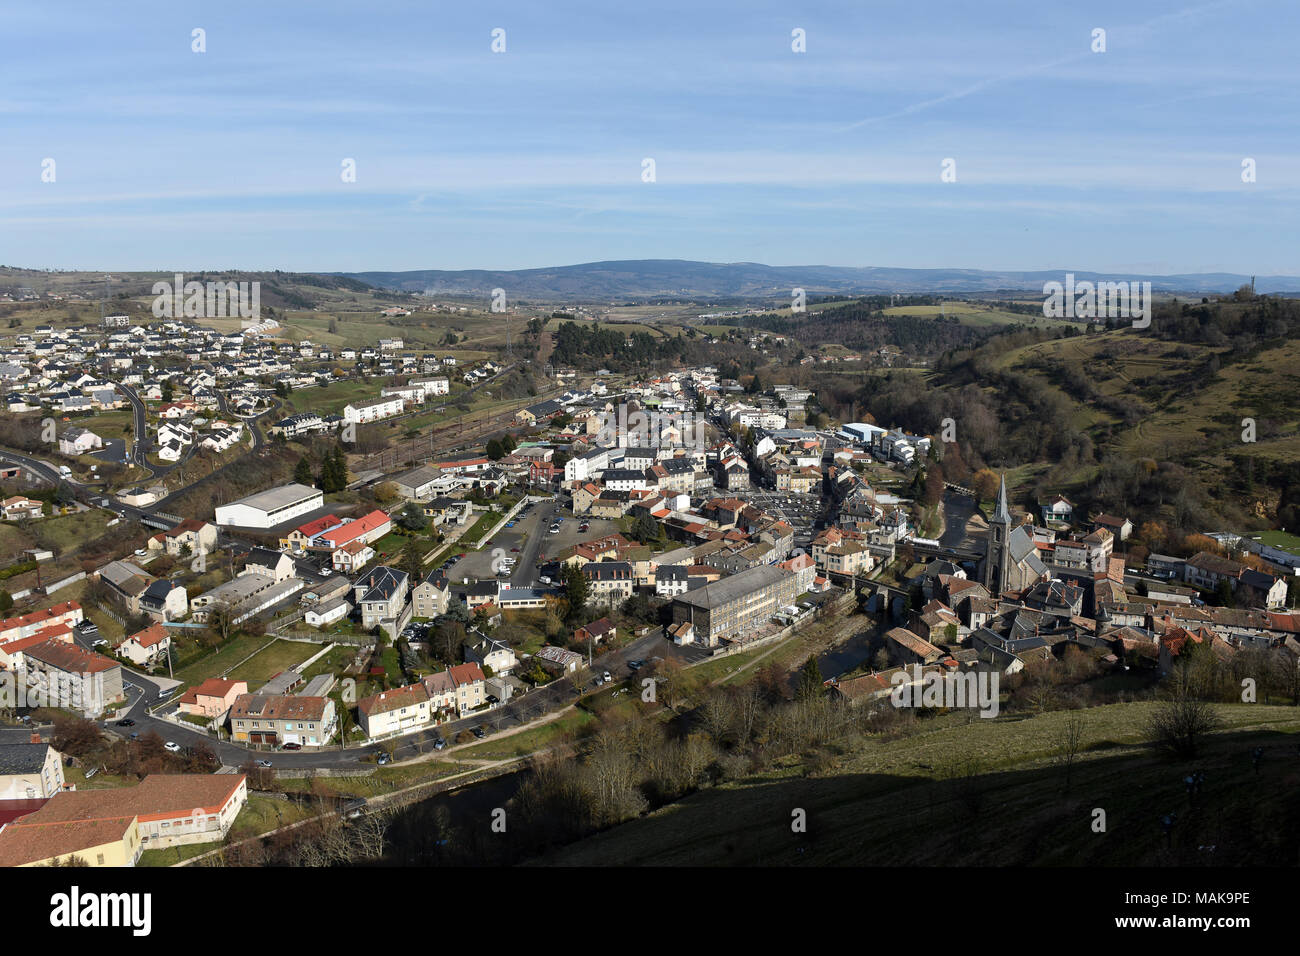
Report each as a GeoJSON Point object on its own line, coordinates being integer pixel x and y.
{"type": "Point", "coordinates": [280, 656]}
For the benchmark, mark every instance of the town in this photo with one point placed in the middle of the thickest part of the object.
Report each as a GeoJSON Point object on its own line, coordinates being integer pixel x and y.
{"type": "Point", "coordinates": [401, 600]}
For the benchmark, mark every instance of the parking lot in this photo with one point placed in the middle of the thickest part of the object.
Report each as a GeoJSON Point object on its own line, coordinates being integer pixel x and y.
{"type": "Point", "coordinates": [798, 511]}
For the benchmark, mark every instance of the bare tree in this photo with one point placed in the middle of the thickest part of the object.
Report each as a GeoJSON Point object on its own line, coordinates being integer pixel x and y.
{"type": "Point", "coordinates": [1069, 745]}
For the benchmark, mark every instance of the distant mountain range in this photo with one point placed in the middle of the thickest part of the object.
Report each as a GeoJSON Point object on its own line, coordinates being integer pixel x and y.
{"type": "Point", "coordinates": [634, 279]}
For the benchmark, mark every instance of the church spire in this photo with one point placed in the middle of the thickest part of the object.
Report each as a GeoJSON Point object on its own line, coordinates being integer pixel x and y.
{"type": "Point", "coordinates": [1002, 513]}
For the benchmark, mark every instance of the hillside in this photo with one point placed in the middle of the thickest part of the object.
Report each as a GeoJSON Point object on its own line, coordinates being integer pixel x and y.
{"type": "Point", "coordinates": [988, 793]}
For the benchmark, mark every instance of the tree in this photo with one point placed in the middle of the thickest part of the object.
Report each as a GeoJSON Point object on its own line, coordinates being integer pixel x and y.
{"type": "Point", "coordinates": [6, 601]}
{"type": "Point", "coordinates": [494, 450]}
{"type": "Point", "coordinates": [1180, 721]}
{"type": "Point", "coordinates": [413, 560]}
{"type": "Point", "coordinates": [576, 589]}
{"type": "Point", "coordinates": [302, 472]}
{"type": "Point", "coordinates": [811, 685]}
{"type": "Point", "coordinates": [1069, 744]}
{"type": "Point", "coordinates": [412, 517]}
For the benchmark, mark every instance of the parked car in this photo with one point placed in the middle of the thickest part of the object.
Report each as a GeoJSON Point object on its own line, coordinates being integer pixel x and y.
{"type": "Point", "coordinates": [292, 746]}
{"type": "Point", "coordinates": [606, 677]}
{"type": "Point", "coordinates": [439, 743]}
{"type": "Point", "coordinates": [264, 764]}
{"type": "Point", "coordinates": [173, 747]}
{"type": "Point", "coordinates": [383, 759]}
{"type": "Point", "coordinates": [126, 722]}
{"type": "Point", "coordinates": [479, 733]}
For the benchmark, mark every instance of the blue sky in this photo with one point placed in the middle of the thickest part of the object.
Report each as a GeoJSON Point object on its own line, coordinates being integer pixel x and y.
{"type": "Point", "coordinates": [1123, 161]}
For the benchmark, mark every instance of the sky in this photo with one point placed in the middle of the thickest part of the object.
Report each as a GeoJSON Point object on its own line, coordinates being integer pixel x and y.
{"type": "Point", "coordinates": [1126, 161]}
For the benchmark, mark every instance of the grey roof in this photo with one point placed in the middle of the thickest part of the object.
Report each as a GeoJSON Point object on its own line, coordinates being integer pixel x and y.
{"type": "Point", "coordinates": [275, 498]}
{"type": "Point", "coordinates": [736, 586]}
{"type": "Point", "coordinates": [22, 758]}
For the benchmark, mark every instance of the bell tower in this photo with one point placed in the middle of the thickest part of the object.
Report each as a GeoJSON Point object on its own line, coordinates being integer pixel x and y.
{"type": "Point", "coordinates": [997, 556]}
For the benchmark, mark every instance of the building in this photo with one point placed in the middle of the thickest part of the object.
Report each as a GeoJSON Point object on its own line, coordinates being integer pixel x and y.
{"type": "Point", "coordinates": [395, 711]}
{"type": "Point", "coordinates": [1011, 561]}
{"type": "Point", "coordinates": [146, 647]}
{"type": "Point", "coordinates": [373, 409]}
{"type": "Point", "coordinates": [367, 529]}
{"type": "Point", "coordinates": [112, 827]}
{"type": "Point", "coordinates": [246, 595]}
{"type": "Point", "coordinates": [596, 631]}
{"type": "Point", "coordinates": [328, 612]}
{"type": "Point", "coordinates": [68, 676]}
{"type": "Point", "coordinates": [734, 605]}
{"type": "Point", "coordinates": [164, 600]}
{"type": "Point", "coordinates": [495, 655]}
{"type": "Point", "coordinates": [213, 698]}
{"type": "Point", "coordinates": [381, 595]}
{"type": "Point", "coordinates": [608, 582]}
{"type": "Point", "coordinates": [429, 597]}
{"type": "Point", "coordinates": [32, 771]}
{"type": "Point", "coordinates": [266, 509]}
{"type": "Point", "coordinates": [418, 484]}
{"type": "Point", "coordinates": [190, 537]}
{"type": "Point", "coordinates": [278, 719]}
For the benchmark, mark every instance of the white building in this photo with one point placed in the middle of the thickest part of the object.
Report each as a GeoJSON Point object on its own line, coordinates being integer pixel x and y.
{"type": "Point", "coordinates": [373, 409]}
{"type": "Point", "coordinates": [266, 509]}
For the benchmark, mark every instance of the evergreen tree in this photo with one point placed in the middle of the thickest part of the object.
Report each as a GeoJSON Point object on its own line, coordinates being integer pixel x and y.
{"type": "Point", "coordinates": [303, 473]}
{"type": "Point", "coordinates": [810, 680]}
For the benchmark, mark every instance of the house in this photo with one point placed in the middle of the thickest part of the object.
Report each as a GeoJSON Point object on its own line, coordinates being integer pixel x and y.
{"type": "Point", "coordinates": [1121, 528]}
{"type": "Point", "coordinates": [430, 596]}
{"type": "Point", "coordinates": [31, 771]}
{"type": "Point", "coordinates": [367, 529]}
{"type": "Point", "coordinates": [325, 613]}
{"type": "Point", "coordinates": [908, 648]}
{"type": "Point", "coordinates": [213, 698]}
{"type": "Point", "coordinates": [495, 655]}
{"type": "Point", "coordinates": [281, 719]}
{"type": "Point", "coordinates": [20, 506]}
{"type": "Point", "coordinates": [164, 600]}
{"type": "Point", "coordinates": [395, 711]}
{"type": "Point", "coordinates": [380, 593]}
{"type": "Point", "coordinates": [1059, 509]}
{"type": "Point", "coordinates": [276, 565]}
{"type": "Point", "coordinates": [596, 631]}
{"type": "Point", "coordinates": [190, 537]}
{"type": "Point", "coordinates": [79, 441]}
{"type": "Point", "coordinates": [146, 647]}
{"type": "Point", "coordinates": [608, 582]}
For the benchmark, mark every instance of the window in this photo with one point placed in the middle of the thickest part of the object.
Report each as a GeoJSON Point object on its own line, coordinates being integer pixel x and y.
{"type": "Point", "coordinates": [99, 859]}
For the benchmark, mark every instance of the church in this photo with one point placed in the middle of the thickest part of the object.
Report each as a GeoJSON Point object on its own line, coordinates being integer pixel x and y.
{"type": "Point", "coordinates": [1011, 561]}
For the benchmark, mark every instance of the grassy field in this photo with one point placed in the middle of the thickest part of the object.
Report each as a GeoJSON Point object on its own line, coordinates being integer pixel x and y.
{"type": "Point", "coordinates": [280, 656]}
{"type": "Point", "coordinates": [230, 654]}
{"type": "Point", "coordinates": [988, 793]}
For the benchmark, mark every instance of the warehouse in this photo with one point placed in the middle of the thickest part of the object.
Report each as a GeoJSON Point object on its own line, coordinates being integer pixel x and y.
{"type": "Point", "coordinates": [266, 509]}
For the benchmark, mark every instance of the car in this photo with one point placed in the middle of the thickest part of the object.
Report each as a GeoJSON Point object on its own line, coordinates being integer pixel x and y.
{"type": "Point", "coordinates": [135, 736]}
{"type": "Point", "coordinates": [126, 722]}
{"type": "Point", "coordinates": [382, 759]}
{"type": "Point", "coordinates": [488, 544]}
{"type": "Point", "coordinates": [173, 747]}
{"type": "Point", "coordinates": [291, 746]}
{"type": "Point", "coordinates": [264, 764]}
{"type": "Point", "coordinates": [493, 699]}
{"type": "Point", "coordinates": [439, 743]}
{"type": "Point", "coordinates": [100, 643]}
{"type": "Point", "coordinates": [326, 572]}
{"type": "Point", "coordinates": [479, 733]}
{"type": "Point", "coordinates": [544, 579]}
{"type": "Point", "coordinates": [140, 552]}
{"type": "Point", "coordinates": [605, 677]}
{"type": "Point", "coordinates": [515, 550]}
{"type": "Point", "coordinates": [634, 665]}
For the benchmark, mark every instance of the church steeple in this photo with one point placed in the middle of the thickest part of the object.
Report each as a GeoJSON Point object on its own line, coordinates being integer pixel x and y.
{"type": "Point", "coordinates": [997, 556]}
{"type": "Point", "coordinates": [1002, 513]}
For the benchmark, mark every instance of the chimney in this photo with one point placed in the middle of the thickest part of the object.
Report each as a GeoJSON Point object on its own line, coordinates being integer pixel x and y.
{"type": "Point", "coordinates": [36, 738]}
